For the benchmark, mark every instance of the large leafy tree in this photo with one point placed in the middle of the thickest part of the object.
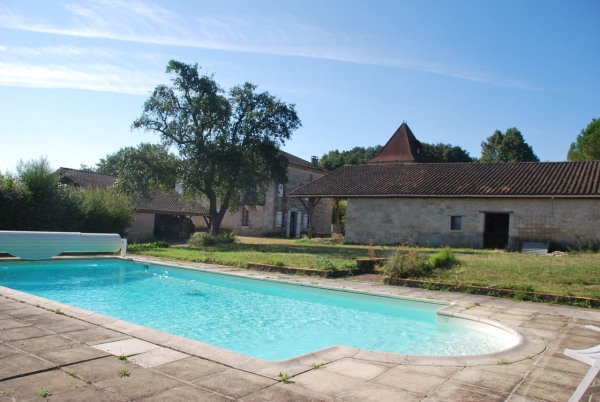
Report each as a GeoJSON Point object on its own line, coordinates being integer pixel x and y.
{"type": "Point", "coordinates": [439, 153]}
{"type": "Point", "coordinates": [228, 145]}
{"type": "Point", "coordinates": [141, 169]}
{"type": "Point", "coordinates": [507, 147]}
{"type": "Point", "coordinates": [587, 145]}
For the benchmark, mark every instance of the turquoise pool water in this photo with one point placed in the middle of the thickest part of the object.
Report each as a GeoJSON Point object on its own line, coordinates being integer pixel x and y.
{"type": "Point", "coordinates": [264, 319]}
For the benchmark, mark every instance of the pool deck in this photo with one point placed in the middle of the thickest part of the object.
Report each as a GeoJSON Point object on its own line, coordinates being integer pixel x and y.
{"type": "Point", "coordinates": [73, 355]}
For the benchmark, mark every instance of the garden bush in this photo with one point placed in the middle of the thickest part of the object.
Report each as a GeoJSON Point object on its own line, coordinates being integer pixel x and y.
{"type": "Point", "coordinates": [443, 259]}
{"type": "Point", "coordinates": [206, 239]}
{"type": "Point", "coordinates": [147, 246]}
{"type": "Point", "coordinates": [404, 264]}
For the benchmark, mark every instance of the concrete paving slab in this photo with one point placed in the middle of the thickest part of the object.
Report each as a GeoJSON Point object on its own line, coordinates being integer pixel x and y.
{"type": "Point", "coordinates": [458, 392]}
{"type": "Point", "coordinates": [326, 383]}
{"type": "Point", "coordinates": [520, 398]}
{"type": "Point", "coordinates": [15, 334]}
{"type": "Point", "coordinates": [185, 393]}
{"type": "Point", "coordinates": [27, 388]}
{"type": "Point", "coordinates": [71, 354]}
{"type": "Point", "coordinates": [357, 369]}
{"type": "Point", "coordinates": [157, 357]}
{"type": "Point", "coordinates": [22, 364]}
{"type": "Point", "coordinates": [546, 326]}
{"type": "Point", "coordinates": [7, 351]}
{"type": "Point", "coordinates": [379, 393]}
{"type": "Point", "coordinates": [28, 312]}
{"type": "Point", "coordinates": [61, 327]}
{"type": "Point", "coordinates": [234, 383]}
{"type": "Point", "coordinates": [418, 383]}
{"type": "Point", "coordinates": [98, 370]}
{"type": "Point", "coordinates": [554, 377]}
{"type": "Point", "coordinates": [191, 368]}
{"type": "Point", "coordinates": [437, 371]}
{"type": "Point", "coordinates": [9, 323]}
{"type": "Point", "coordinates": [284, 393]}
{"type": "Point", "coordinates": [50, 342]}
{"type": "Point", "coordinates": [481, 377]}
{"type": "Point", "coordinates": [95, 335]}
{"type": "Point", "coordinates": [544, 391]}
{"type": "Point", "coordinates": [85, 393]}
{"type": "Point", "coordinates": [563, 363]}
{"type": "Point", "coordinates": [139, 383]}
{"type": "Point", "coordinates": [127, 347]}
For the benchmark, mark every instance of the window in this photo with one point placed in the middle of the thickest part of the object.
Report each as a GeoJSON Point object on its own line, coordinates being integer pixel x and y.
{"type": "Point", "coordinates": [456, 223]}
{"type": "Point", "coordinates": [280, 190]}
{"type": "Point", "coordinates": [305, 221]}
{"type": "Point", "coordinates": [279, 221]}
{"type": "Point", "coordinates": [244, 217]}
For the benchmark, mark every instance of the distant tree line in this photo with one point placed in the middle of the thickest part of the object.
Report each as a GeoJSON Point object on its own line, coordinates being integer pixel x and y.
{"type": "Point", "coordinates": [33, 200]}
{"type": "Point", "coordinates": [499, 147]}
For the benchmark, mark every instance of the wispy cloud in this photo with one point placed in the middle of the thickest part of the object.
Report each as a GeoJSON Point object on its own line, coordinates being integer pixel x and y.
{"type": "Point", "coordinates": [144, 22]}
{"type": "Point", "coordinates": [97, 77]}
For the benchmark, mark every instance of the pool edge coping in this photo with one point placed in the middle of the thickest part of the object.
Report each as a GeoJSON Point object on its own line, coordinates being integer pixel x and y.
{"type": "Point", "coordinates": [528, 344]}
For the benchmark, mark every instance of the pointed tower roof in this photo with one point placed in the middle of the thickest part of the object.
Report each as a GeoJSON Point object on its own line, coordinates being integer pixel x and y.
{"type": "Point", "coordinates": [403, 147]}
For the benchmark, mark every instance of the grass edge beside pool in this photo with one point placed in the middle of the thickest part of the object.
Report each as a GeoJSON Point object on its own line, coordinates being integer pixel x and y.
{"type": "Point", "coordinates": [575, 274]}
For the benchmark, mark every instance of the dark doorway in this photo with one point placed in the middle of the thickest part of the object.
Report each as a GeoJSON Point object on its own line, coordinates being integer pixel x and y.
{"type": "Point", "coordinates": [292, 224]}
{"type": "Point", "coordinates": [495, 234]}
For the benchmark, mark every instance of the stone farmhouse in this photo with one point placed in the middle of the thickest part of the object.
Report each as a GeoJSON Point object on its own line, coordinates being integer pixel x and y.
{"type": "Point", "coordinates": [161, 215]}
{"type": "Point", "coordinates": [278, 214]}
{"type": "Point", "coordinates": [399, 197]}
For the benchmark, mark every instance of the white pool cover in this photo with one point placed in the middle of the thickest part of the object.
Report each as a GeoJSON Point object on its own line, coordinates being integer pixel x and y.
{"type": "Point", "coordinates": [44, 245]}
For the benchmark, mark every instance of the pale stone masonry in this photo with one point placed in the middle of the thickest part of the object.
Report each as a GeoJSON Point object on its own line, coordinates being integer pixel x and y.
{"type": "Point", "coordinates": [263, 219]}
{"type": "Point", "coordinates": [427, 221]}
{"type": "Point", "coordinates": [400, 197]}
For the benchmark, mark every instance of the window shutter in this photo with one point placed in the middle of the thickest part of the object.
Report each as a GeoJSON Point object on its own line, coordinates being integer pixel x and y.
{"type": "Point", "coordinates": [305, 221]}
{"type": "Point", "coordinates": [280, 190]}
{"type": "Point", "coordinates": [279, 219]}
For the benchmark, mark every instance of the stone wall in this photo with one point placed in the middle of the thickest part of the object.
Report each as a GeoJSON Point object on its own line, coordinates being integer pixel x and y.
{"type": "Point", "coordinates": [262, 218]}
{"type": "Point", "coordinates": [427, 220]}
{"type": "Point", "coordinates": [142, 228]}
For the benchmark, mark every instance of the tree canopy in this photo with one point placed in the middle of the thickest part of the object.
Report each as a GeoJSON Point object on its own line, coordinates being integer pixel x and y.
{"type": "Point", "coordinates": [587, 145]}
{"type": "Point", "coordinates": [439, 153]}
{"type": "Point", "coordinates": [507, 147]}
{"type": "Point", "coordinates": [227, 145]}
{"type": "Point", "coordinates": [141, 169]}
{"type": "Point", "coordinates": [356, 156]}
{"type": "Point", "coordinates": [359, 155]}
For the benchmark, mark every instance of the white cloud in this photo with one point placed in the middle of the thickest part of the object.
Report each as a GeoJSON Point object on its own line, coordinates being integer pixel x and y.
{"type": "Point", "coordinates": [139, 21]}
{"type": "Point", "coordinates": [96, 77]}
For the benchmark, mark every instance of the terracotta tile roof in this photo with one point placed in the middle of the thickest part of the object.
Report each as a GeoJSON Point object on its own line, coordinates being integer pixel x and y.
{"type": "Point", "coordinates": [84, 178]}
{"type": "Point", "coordinates": [169, 203]}
{"type": "Point", "coordinates": [459, 179]}
{"type": "Point", "coordinates": [402, 147]}
{"type": "Point", "coordinates": [294, 160]}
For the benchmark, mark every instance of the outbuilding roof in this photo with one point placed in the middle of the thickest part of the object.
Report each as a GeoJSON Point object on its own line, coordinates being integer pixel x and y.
{"type": "Point", "coordinates": [403, 147]}
{"type": "Point", "coordinates": [523, 179]}
{"type": "Point", "coordinates": [159, 202]}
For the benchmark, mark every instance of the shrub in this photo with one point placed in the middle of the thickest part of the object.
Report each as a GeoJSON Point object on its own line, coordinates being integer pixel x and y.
{"type": "Point", "coordinates": [443, 259]}
{"type": "Point", "coordinates": [206, 239]}
{"type": "Point", "coordinates": [588, 245]}
{"type": "Point", "coordinates": [147, 246]}
{"type": "Point", "coordinates": [103, 211]}
{"type": "Point", "coordinates": [323, 264]}
{"type": "Point", "coordinates": [406, 264]}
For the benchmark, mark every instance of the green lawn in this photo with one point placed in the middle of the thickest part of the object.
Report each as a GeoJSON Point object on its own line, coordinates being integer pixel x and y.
{"type": "Point", "coordinates": [577, 274]}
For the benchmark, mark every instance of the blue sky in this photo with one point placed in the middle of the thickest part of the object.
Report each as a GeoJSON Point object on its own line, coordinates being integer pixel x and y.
{"type": "Point", "coordinates": [74, 74]}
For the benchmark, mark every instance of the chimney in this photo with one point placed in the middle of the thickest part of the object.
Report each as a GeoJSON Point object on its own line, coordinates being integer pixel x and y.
{"type": "Point", "coordinates": [314, 161]}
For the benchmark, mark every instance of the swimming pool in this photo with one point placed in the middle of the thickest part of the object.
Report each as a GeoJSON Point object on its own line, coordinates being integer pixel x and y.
{"type": "Point", "coordinates": [260, 318]}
